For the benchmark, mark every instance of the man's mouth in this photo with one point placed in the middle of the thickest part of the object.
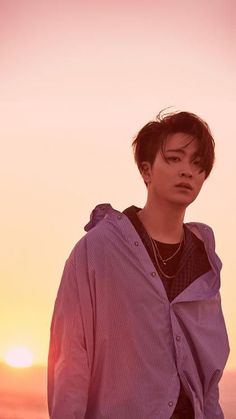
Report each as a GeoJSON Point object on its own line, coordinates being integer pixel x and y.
{"type": "Point", "coordinates": [184, 185]}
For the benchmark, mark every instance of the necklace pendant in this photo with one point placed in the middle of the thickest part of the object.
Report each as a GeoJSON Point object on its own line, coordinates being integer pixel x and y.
{"type": "Point", "coordinates": [164, 263]}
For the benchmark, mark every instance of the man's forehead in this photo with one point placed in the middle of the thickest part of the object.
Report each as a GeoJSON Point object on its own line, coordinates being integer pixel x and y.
{"type": "Point", "coordinates": [181, 142]}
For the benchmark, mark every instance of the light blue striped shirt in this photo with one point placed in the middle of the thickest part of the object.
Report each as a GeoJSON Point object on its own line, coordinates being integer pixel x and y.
{"type": "Point", "coordinates": [118, 347]}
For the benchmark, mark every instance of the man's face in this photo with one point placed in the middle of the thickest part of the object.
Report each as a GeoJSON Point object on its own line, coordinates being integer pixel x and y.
{"type": "Point", "coordinates": [177, 178]}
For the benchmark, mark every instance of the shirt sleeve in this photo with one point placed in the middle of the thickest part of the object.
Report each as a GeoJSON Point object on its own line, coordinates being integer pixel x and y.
{"type": "Point", "coordinates": [212, 408]}
{"type": "Point", "coordinates": [68, 370]}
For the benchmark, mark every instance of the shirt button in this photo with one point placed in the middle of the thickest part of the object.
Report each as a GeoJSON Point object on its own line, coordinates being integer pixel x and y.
{"type": "Point", "coordinates": [153, 273]}
{"type": "Point", "coordinates": [136, 243]}
{"type": "Point", "coordinates": [119, 216]}
{"type": "Point", "coordinates": [170, 403]}
{"type": "Point", "coordinates": [178, 338]}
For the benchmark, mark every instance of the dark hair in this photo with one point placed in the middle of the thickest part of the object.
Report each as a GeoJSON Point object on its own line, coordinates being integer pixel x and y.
{"type": "Point", "coordinates": [152, 137]}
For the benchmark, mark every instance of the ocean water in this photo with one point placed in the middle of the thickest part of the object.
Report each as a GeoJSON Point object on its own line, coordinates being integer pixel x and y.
{"type": "Point", "coordinates": [228, 394]}
{"type": "Point", "coordinates": [22, 406]}
{"type": "Point", "coordinates": [23, 393]}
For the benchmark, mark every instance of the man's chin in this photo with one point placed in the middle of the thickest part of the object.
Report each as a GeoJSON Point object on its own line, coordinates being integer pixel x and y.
{"type": "Point", "coordinates": [183, 202]}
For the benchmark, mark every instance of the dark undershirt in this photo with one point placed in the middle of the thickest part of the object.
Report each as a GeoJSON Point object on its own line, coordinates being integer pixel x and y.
{"type": "Point", "coordinates": [184, 266]}
{"type": "Point", "coordinates": [189, 264]}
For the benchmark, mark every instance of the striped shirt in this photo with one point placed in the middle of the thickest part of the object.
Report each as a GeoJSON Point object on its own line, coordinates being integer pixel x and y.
{"type": "Point", "coordinates": [190, 263]}
{"type": "Point", "coordinates": [118, 347]}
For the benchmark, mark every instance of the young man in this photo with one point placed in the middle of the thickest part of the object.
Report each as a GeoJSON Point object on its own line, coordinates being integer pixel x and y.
{"type": "Point", "coordinates": [137, 330]}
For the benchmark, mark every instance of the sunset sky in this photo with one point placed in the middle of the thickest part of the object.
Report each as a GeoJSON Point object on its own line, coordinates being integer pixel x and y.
{"type": "Point", "coordinates": [78, 80]}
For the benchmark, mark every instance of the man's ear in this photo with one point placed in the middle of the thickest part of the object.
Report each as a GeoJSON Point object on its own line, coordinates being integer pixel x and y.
{"type": "Point", "coordinates": [145, 170]}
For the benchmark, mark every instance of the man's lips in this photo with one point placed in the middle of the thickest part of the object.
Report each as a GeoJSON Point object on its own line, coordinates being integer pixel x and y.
{"type": "Point", "coordinates": [184, 185]}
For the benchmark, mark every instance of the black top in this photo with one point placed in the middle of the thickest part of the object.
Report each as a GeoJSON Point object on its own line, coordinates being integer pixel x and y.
{"type": "Point", "coordinates": [189, 264]}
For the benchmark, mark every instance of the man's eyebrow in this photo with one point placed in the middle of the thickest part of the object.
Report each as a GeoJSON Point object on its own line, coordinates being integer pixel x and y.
{"type": "Point", "coordinates": [175, 150]}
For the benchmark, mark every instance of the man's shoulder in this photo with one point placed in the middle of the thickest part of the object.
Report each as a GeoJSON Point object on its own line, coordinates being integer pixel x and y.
{"type": "Point", "coordinates": [92, 238]}
{"type": "Point", "coordinates": [99, 231]}
{"type": "Point", "coordinates": [203, 232]}
{"type": "Point", "coordinates": [199, 229]}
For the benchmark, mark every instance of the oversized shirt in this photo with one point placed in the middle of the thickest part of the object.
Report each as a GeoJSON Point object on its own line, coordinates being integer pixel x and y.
{"type": "Point", "coordinates": [118, 347]}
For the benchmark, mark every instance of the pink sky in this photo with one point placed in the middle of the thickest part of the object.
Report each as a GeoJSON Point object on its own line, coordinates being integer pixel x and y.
{"type": "Point", "coordinates": [77, 82]}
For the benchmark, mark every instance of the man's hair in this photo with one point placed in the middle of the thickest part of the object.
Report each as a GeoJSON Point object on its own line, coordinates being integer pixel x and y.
{"type": "Point", "coordinates": [152, 138]}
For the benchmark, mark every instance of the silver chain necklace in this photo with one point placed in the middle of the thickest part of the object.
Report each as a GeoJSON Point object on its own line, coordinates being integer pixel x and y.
{"type": "Point", "coordinates": [164, 261]}
{"type": "Point", "coordinates": [158, 264]}
{"type": "Point", "coordinates": [157, 254]}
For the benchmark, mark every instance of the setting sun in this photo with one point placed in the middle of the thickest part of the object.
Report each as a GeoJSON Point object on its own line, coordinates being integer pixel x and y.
{"type": "Point", "coordinates": [19, 356]}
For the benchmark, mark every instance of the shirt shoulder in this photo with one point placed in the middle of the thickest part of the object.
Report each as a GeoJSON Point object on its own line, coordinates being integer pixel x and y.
{"type": "Point", "coordinates": [202, 231]}
{"type": "Point", "coordinates": [205, 233]}
{"type": "Point", "coordinates": [93, 245]}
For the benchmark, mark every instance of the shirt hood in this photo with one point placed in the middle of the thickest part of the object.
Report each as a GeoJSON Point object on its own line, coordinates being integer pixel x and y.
{"type": "Point", "coordinates": [98, 214]}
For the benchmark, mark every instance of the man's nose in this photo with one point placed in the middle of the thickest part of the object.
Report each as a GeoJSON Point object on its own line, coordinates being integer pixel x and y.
{"type": "Point", "coordinates": [186, 171]}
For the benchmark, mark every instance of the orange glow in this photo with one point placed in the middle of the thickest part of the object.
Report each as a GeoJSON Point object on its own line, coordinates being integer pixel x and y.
{"type": "Point", "coordinates": [75, 90]}
{"type": "Point", "coordinates": [19, 357]}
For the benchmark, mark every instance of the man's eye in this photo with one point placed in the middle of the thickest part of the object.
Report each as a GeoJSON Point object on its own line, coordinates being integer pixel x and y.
{"type": "Point", "coordinates": [198, 164]}
{"type": "Point", "coordinates": [173, 159]}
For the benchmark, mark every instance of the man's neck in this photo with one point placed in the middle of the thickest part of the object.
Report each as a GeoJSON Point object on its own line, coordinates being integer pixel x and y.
{"type": "Point", "coordinates": [163, 222]}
